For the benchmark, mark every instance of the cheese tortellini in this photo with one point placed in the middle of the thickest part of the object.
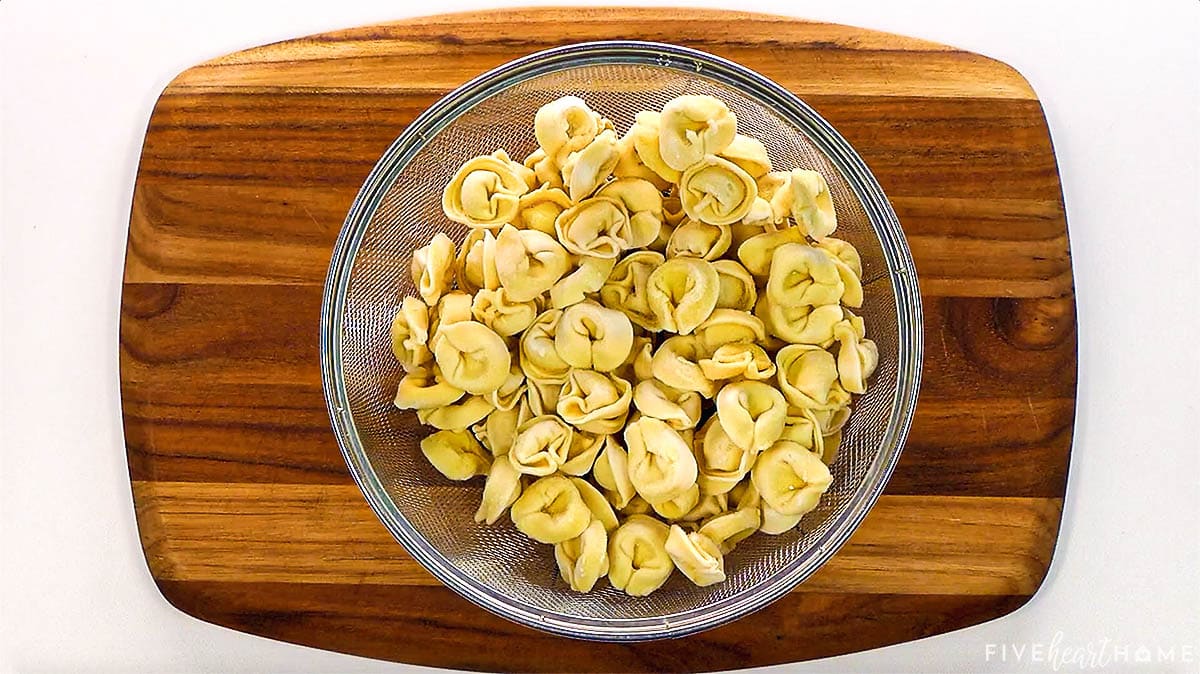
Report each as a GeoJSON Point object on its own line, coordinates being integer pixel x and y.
{"type": "Point", "coordinates": [692, 127]}
{"type": "Point", "coordinates": [682, 293]}
{"type": "Point", "coordinates": [643, 344]}
{"type": "Point", "coordinates": [551, 510]}
{"type": "Point", "coordinates": [486, 192]}
{"type": "Point", "coordinates": [637, 555]}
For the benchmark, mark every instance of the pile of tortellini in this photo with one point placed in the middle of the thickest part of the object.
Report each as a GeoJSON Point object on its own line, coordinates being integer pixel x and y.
{"type": "Point", "coordinates": [644, 342]}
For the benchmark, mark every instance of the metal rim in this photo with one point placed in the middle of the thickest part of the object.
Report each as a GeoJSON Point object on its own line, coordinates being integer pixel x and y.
{"type": "Point", "coordinates": [770, 94]}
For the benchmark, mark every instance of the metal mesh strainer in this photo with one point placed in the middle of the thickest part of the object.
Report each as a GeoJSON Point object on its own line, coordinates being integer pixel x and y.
{"type": "Point", "coordinates": [399, 208]}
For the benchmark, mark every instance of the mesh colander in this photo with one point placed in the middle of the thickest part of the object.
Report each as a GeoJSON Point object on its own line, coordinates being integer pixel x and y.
{"type": "Point", "coordinates": [398, 210]}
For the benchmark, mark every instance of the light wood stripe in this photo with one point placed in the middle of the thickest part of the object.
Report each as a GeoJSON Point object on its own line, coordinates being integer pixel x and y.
{"type": "Point", "coordinates": [304, 533]}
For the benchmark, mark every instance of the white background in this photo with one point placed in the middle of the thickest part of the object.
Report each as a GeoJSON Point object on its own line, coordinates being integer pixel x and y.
{"type": "Point", "coordinates": [1119, 84]}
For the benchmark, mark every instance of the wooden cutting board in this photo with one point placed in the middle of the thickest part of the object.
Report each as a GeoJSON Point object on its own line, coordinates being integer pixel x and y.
{"type": "Point", "coordinates": [247, 514]}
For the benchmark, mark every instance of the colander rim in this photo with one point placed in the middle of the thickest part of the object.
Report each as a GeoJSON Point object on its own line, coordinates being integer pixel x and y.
{"type": "Point", "coordinates": [766, 92]}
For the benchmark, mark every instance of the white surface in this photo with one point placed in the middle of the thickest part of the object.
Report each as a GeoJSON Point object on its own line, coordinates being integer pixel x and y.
{"type": "Point", "coordinates": [80, 79]}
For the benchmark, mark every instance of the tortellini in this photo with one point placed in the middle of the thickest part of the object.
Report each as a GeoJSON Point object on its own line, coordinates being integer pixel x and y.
{"type": "Point", "coordinates": [498, 311]}
{"type": "Point", "coordinates": [645, 136]}
{"type": "Point", "coordinates": [856, 358]}
{"type": "Point", "coordinates": [486, 192]}
{"type": "Point", "coordinates": [457, 416]}
{"type": "Point", "coordinates": [682, 293]}
{"type": "Point", "coordinates": [540, 208]}
{"type": "Point", "coordinates": [551, 510]}
{"type": "Point", "coordinates": [752, 414]}
{"type": "Point", "coordinates": [808, 377]}
{"type": "Point", "coordinates": [729, 326]}
{"type": "Point", "coordinates": [749, 154]}
{"type": "Point", "coordinates": [680, 409]}
{"type": "Point", "coordinates": [625, 289]}
{"type": "Point", "coordinates": [475, 266]}
{"type": "Point", "coordinates": [676, 363]}
{"type": "Point", "coordinates": [472, 357]}
{"type": "Point", "coordinates": [420, 389]}
{"type": "Point", "coordinates": [410, 334]}
{"type": "Point", "coordinates": [587, 278]}
{"type": "Point", "coordinates": [730, 528]}
{"type": "Point", "coordinates": [637, 556]}
{"type": "Point", "coordinates": [644, 342]}
{"type": "Point", "coordinates": [790, 478]}
{"type": "Point", "coordinates": [500, 490]}
{"type": "Point", "coordinates": [591, 336]}
{"type": "Point", "coordinates": [803, 324]}
{"type": "Point", "coordinates": [717, 191]}
{"type": "Point", "coordinates": [644, 204]}
{"type": "Point", "coordinates": [538, 352]}
{"type": "Point", "coordinates": [595, 402]}
{"type": "Point", "coordinates": [564, 126]}
{"type": "Point", "coordinates": [803, 275]}
{"type": "Point", "coordinates": [736, 288]}
{"type": "Point", "coordinates": [661, 465]}
{"type": "Point", "coordinates": [699, 239]}
{"type": "Point", "coordinates": [529, 262]}
{"type": "Point", "coordinates": [810, 203]}
{"type": "Point", "coordinates": [738, 360]}
{"type": "Point", "coordinates": [696, 555]}
{"type": "Point", "coordinates": [612, 473]}
{"type": "Point", "coordinates": [692, 127]}
{"type": "Point", "coordinates": [583, 560]}
{"type": "Point", "coordinates": [456, 454]}
{"type": "Point", "coordinates": [433, 268]}
{"type": "Point", "coordinates": [541, 446]}
{"type": "Point", "coordinates": [721, 463]}
{"type": "Point", "coordinates": [586, 170]}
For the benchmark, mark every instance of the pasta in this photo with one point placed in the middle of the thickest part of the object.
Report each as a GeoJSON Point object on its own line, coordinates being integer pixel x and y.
{"type": "Point", "coordinates": [551, 510]}
{"type": "Point", "coordinates": [643, 343]}
{"type": "Point", "coordinates": [455, 454]}
{"type": "Point", "coordinates": [697, 556]}
{"type": "Point", "coordinates": [637, 554]}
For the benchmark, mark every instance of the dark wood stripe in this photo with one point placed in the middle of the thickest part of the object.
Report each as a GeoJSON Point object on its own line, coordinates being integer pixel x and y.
{"type": "Point", "coordinates": [433, 626]}
{"type": "Point", "coordinates": [956, 148]}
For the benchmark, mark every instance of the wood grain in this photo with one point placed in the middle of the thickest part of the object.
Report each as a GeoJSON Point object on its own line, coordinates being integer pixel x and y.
{"type": "Point", "coordinates": [298, 533]}
{"type": "Point", "coordinates": [248, 516]}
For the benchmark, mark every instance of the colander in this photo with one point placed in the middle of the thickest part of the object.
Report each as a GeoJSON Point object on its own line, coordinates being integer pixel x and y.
{"type": "Point", "coordinates": [399, 208]}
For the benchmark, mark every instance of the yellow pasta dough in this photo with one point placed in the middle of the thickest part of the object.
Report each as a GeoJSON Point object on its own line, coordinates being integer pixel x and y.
{"type": "Point", "coordinates": [594, 402]}
{"type": "Point", "coordinates": [486, 191]}
{"type": "Point", "coordinates": [691, 127]}
{"type": "Point", "coordinates": [541, 446]}
{"type": "Point", "coordinates": [680, 409]}
{"type": "Point", "coordinates": [583, 560]}
{"type": "Point", "coordinates": [592, 336]}
{"type": "Point", "coordinates": [433, 268]}
{"type": "Point", "coordinates": [790, 478]}
{"type": "Point", "coordinates": [696, 555]}
{"type": "Point", "coordinates": [529, 262]}
{"type": "Point", "coordinates": [471, 356]}
{"type": "Point", "coordinates": [644, 341]}
{"type": "Point", "coordinates": [551, 510]}
{"type": "Point", "coordinates": [565, 125]}
{"type": "Point", "coordinates": [661, 465]}
{"type": "Point", "coordinates": [637, 554]}
{"type": "Point", "coordinates": [420, 389]}
{"type": "Point", "coordinates": [752, 414]}
{"type": "Point", "coordinates": [500, 490]}
{"type": "Point", "coordinates": [626, 287]}
{"type": "Point", "coordinates": [717, 191]}
{"type": "Point", "coordinates": [456, 454]}
{"type": "Point", "coordinates": [410, 334]}
{"type": "Point", "coordinates": [682, 293]}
